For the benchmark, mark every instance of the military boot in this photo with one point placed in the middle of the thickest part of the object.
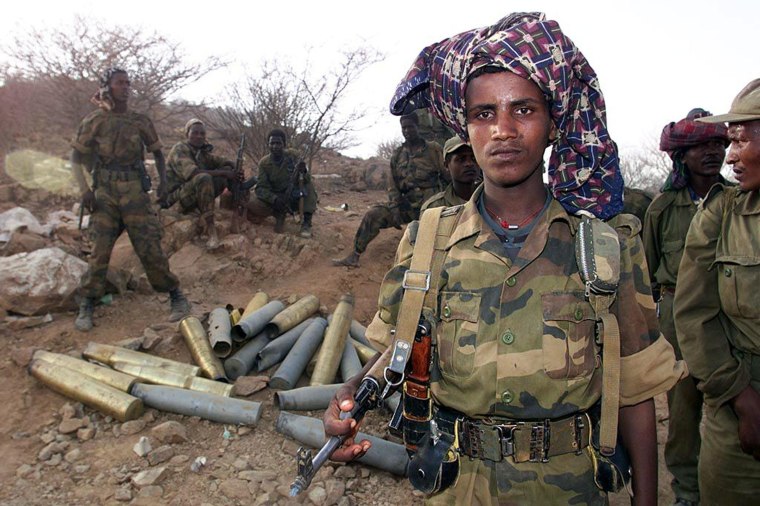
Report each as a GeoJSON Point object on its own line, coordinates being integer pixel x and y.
{"type": "Point", "coordinates": [352, 260]}
{"type": "Point", "coordinates": [306, 226]}
{"type": "Point", "coordinates": [180, 306]}
{"type": "Point", "coordinates": [279, 223]}
{"type": "Point", "coordinates": [83, 322]}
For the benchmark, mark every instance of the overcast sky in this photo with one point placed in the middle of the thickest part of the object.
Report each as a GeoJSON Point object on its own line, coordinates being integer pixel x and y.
{"type": "Point", "coordinates": [656, 59]}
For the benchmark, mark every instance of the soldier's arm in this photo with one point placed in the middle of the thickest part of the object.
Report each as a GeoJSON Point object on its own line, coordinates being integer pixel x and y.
{"type": "Point", "coordinates": [264, 186]}
{"type": "Point", "coordinates": [158, 156]}
{"type": "Point", "coordinates": [639, 433]}
{"type": "Point", "coordinates": [77, 167]}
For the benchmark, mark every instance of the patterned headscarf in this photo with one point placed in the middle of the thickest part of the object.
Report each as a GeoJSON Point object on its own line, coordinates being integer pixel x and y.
{"type": "Point", "coordinates": [676, 138]}
{"type": "Point", "coordinates": [102, 98]}
{"type": "Point", "coordinates": [583, 169]}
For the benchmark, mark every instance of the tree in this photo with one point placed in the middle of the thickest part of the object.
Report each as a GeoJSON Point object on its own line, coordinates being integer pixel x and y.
{"type": "Point", "coordinates": [645, 167]}
{"type": "Point", "coordinates": [386, 148]}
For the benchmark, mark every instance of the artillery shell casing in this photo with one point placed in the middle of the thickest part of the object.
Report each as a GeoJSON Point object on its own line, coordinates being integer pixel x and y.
{"type": "Point", "coordinates": [245, 358]}
{"type": "Point", "coordinates": [115, 379]}
{"type": "Point", "coordinates": [252, 324]}
{"type": "Point", "coordinates": [235, 314]}
{"type": "Point", "coordinates": [278, 348]}
{"type": "Point", "coordinates": [107, 354]}
{"type": "Point", "coordinates": [292, 316]}
{"type": "Point", "coordinates": [219, 329]}
{"type": "Point", "coordinates": [158, 376]}
{"type": "Point", "coordinates": [349, 362]}
{"type": "Point", "coordinates": [365, 352]}
{"type": "Point", "coordinates": [202, 404]}
{"type": "Point", "coordinates": [307, 398]}
{"type": "Point", "coordinates": [95, 394]}
{"type": "Point", "coordinates": [295, 362]}
{"type": "Point", "coordinates": [359, 332]}
{"type": "Point", "coordinates": [257, 302]}
{"type": "Point", "coordinates": [385, 455]}
{"type": "Point", "coordinates": [328, 359]}
{"type": "Point", "coordinates": [196, 341]}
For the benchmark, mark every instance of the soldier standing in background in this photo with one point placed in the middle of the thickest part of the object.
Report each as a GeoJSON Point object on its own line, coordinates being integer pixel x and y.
{"type": "Point", "coordinates": [284, 180]}
{"type": "Point", "coordinates": [697, 151]}
{"type": "Point", "coordinates": [464, 172]}
{"type": "Point", "coordinates": [636, 202]}
{"type": "Point", "coordinates": [717, 311]}
{"type": "Point", "coordinates": [196, 177]}
{"type": "Point", "coordinates": [113, 140]}
{"type": "Point", "coordinates": [417, 172]}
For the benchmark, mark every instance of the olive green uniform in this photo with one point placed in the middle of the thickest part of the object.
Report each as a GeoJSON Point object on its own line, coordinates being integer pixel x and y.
{"type": "Point", "coordinates": [191, 189]}
{"type": "Point", "coordinates": [117, 142]}
{"type": "Point", "coordinates": [516, 341]}
{"type": "Point", "coordinates": [717, 311]}
{"type": "Point", "coordinates": [636, 202]}
{"type": "Point", "coordinates": [275, 180]}
{"type": "Point", "coordinates": [446, 198]}
{"type": "Point", "coordinates": [665, 226]}
{"type": "Point", "coordinates": [417, 174]}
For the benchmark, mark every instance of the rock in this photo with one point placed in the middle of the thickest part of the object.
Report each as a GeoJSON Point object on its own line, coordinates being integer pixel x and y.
{"type": "Point", "coordinates": [81, 468]}
{"type": "Point", "coordinates": [67, 411]}
{"type": "Point", "coordinates": [317, 494]}
{"type": "Point", "coordinates": [24, 471]}
{"type": "Point", "coordinates": [247, 385]}
{"type": "Point", "coordinates": [27, 322]}
{"type": "Point", "coordinates": [197, 464]}
{"type": "Point", "coordinates": [290, 447]}
{"type": "Point", "coordinates": [133, 343]}
{"type": "Point", "coordinates": [234, 488]}
{"type": "Point", "coordinates": [150, 339]}
{"type": "Point", "coordinates": [179, 460]}
{"type": "Point", "coordinates": [142, 447]}
{"type": "Point", "coordinates": [71, 425]}
{"type": "Point", "coordinates": [151, 491]}
{"type": "Point", "coordinates": [149, 477]}
{"type": "Point", "coordinates": [22, 356]}
{"type": "Point", "coordinates": [345, 472]}
{"type": "Point", "coordinates": [54, 460]}
{"type": "Point", "coordinates": [73, 455]}
{"type": "Point", "coordinates": [132, 427]}
{"type": "Point", "coordinates": [160, 455]}
{"type": "Point", "coordinates": [86, 433]}
{"type": "Point", "coordinates": [170, 432]}
{"type": "Point", "coordinates": [242, 431]}
{"type": "Point", "coordinates": [258, 476]}
{"type": "Point", "coordinates": [20, 218]}
{"type": "Point", "coordinates": [334, 490]}
{"type": "Point", "coordinates": [263, 500]}
{"type": "Point", "coordinates": [40, 282]}
{"type": "Point", "coordinates": [241, 464]}
{"type": "Point", "coordinates": [123, 494]}
{"type": "Point", "coordinates": [52, 449]}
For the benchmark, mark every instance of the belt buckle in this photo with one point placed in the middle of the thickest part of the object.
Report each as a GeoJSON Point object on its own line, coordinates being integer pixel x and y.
{"type": "Point", "coordinates": [540, 435]}
{"type": "Point", "coordinates": [507, 439]}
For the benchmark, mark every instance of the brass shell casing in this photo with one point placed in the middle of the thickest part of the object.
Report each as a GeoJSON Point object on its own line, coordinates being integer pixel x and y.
{"type": "Point", "coordinates": [107, 354]}
{"type": "Point", "coordinates": [365, 352]}
{"type": "Point", "coordinates": [292, 316]}
{"type": "Point", "coordinates": [158, 376]}
{"type": "Point", "coordinates": [197, 342]}
{"type": "Point", "coordinates": [257, 302]}
{"type": "Point", "coordinates": [115, 379]}
{"type": "Point", "coordinates": [328, 359]}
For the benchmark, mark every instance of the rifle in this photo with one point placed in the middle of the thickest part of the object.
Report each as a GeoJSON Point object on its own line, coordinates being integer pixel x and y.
{"type": "Point", "coordinates": [239, 192]}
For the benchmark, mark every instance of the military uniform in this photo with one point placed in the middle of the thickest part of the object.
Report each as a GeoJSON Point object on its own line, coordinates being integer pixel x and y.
{"type": "Point", "coordinates": [275, 179]}
{"type": "Point", "coordinates": [665, 226]}
{"type": "Point", "coordinates": [192, 190]}
{"type": "Point", "coordinates": [416, 177]}
{"type": "Point", "coordinates": [636, 202]}
{"type": "Point", "coordinates": [118, 141]}
{"type": "Point", "coordinates": [446, 198]}
{"type": "Point", "coordinates": [516, 341]}
{"type": "Point", "coordinates": [717, 314]}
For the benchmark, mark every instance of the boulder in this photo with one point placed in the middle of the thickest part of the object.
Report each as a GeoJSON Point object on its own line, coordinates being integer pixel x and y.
{"type": "Point", "coordinates": [19, 217]}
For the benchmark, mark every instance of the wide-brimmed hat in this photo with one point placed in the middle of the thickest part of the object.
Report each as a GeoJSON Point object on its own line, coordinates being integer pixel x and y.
{"type": "Point", "coordinates": [745, 107]}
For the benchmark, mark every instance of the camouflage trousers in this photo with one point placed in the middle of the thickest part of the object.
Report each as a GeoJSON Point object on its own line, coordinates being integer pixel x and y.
{"type": "Point", "coordinates": [258, 208]}
{"type": "Point", "coordinates": [685, 414]}
{"type": "Point", "coordinates": [199, 193]}
{"type": "Point", "coordinates": [123, 205]}
{"type": "Point", "coordinates": [381, 216]}
{"type": "Point", "coordinates": [564, 479]}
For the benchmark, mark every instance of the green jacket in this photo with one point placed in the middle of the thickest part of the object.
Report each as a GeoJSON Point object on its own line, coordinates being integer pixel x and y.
{"type": "Point", "coordinates": [636, 202]}
{"type": "Point", "coordinates": [185, 159]}
{"type": "Point", "coordinates": [416, 175]}
{"type": "Point", "coordinates": [446, 198]}
{"type": "Point", "coordinates": [120, 138]}
{"type": "Point", "coordinates": [274, 178]}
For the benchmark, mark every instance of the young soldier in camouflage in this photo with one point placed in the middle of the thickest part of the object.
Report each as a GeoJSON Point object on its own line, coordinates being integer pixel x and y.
{"type": "Point", "coordinates": [515, 333]}
{"type": "Point", "coordinates": [278, 191]}
{"type": "Point", "coordinates": [717, 312]}
{"type": "Point", "coordinates": [196, 177]}
{"type": "Point", "coordinates": [697, 151]}
{"type": "Point", "coordinates": [459, 160]}
{"type": "Point", "coordinates": [113, 139]}
{"type": "Point", "coordinates": [417, 172]}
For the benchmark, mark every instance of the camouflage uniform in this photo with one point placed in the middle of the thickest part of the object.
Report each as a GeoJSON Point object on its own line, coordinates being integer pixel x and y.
{"type": "Point", "coordinates": [416, 177]}
{"type": "Point", "coordinates": [717, 322]}
{"type": "Point", "coordinates": [446, 198]}
{"type": "Point", "coordinates": [636, 202]}
{"type": "Point", "coordinates": [118, 141]}
{"type": "Point", "coordinates": [665, 227]}
{"type": "Point", "coordinates": [492, 360]}
{"type": "Point", "coordinates": [274, 180]}
{"type": "Point", "coordinates": [195, 191]}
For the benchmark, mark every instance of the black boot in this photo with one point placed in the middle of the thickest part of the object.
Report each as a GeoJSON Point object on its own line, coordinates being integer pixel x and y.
{"type": "Point", "coordinates": [306, 226]}
{"type": "Point", "coordinates": [279, 223]}
{"type": "Point", "coordinates": [180, 306]}
{"type": "Point", "coordinates": [83, 322]}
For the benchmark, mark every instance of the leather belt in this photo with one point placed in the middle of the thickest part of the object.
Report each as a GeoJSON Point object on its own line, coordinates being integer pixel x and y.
{"type": "Point", "coordinates": [119, 175]}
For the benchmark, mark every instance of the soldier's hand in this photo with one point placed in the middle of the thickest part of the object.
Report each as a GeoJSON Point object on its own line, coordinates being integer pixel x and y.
{"type": "Point", "coordinates": [280, 204]}
{"type": "Point", "coordinates": [396, 220]}
{"type": "Point", "coordinates": [747, 408]}
{"type": "Point", "coordinates": [163, 195]}
{"type": "Point", "coordinates": [340, 406]}
{"type": "Point", "coordinates": [88, 201]}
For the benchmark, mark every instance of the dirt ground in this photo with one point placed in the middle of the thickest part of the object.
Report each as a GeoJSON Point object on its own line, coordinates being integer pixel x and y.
{"type": "Point", "coordinates": [244, 465]}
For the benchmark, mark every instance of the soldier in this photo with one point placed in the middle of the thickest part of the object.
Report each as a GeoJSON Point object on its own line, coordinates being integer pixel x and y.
{"type": "Point", "coordinates": [697, 151]}
{"type": "Point", "coordinates": [196, 177]}
{"type": "Point", "coordinates": [464, 171]}
{"type": "Point", "coordinates": [284, 180]}
{"type": "Point", "coordinates": [498, 380]}
{"type": "Point", "coordinates": [113, 140]}
{"type": "Point", "coordinates": [717, 311]}
{"type": "Point", "coordinates": [417, 170]}
{"type": "Point", "coordinates": [636, 202]}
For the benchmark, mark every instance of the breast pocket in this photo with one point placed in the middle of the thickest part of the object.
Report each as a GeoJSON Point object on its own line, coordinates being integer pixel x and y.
{"type": "Point", "coordinates": [738, 279]}
{"type": "Point", "coordinates": [568, 342]}
{"type": "Point", "coordinates": [458, 333]}
{"type": "Point", "coordinates": [671, 255]}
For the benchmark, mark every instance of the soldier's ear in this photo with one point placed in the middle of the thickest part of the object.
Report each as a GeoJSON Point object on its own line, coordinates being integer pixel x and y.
{"type": "Point", "coordinates": [553, 134]}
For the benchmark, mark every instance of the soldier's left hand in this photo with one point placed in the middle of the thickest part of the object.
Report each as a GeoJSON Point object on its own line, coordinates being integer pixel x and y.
{"type": "Point", "coordinates": [163, 195]}
{"type": "Point", "coordinates": [747, 408]}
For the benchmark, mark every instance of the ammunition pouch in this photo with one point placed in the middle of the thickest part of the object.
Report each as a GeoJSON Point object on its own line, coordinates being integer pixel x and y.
{"type": "Point", "coordinates": [114, 171]}
{"type": "Point", "coordinates": [435, 467]}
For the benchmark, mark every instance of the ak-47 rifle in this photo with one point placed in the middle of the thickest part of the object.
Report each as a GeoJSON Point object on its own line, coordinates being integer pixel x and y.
{"type": "Point", "coordinates": [240, 189]}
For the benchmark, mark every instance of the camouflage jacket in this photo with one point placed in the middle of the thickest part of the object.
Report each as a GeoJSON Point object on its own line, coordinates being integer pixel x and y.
{"type": "Point", "coordinates": [446, 198]}
{"type": "Point", "coordinates": [274, 178]}
{"type": "Point", "coordinates": [120, 138]}
{"type": "Point", "coordinates": [716, 303]}
{"type": "Point", "coordinates": [517, 340]}
{"type": "Point", "coordinates": [185, 159]}
{"type": "Point", "coordinates": [636, 202]}
{"type": "Point", "coordinates": [416, 175]}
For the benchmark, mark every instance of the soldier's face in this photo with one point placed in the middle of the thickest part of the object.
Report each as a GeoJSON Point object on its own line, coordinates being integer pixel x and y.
{"type": "Point", "coordinates": [705, 159]}
{"type": "Point", "coordinates": [462, 166]}
{"type": "Point", "coordinates": [120, 87]}
{"type": "Point", "coordinates": [409, 130]}
{"type": "Point", "coordinates": [197, 135]}
{"type": "Point", "coordinates": [744, 153]}
{"type": "Point", "coordinates": [276, 146]}
{"type": "Point", "coordinates": [509, 127]}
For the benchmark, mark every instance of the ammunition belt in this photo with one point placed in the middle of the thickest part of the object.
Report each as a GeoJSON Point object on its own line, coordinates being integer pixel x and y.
{"type": "Point", "coordinates": [119, 175]}
{"type": "Point", "coordinates": [534, 441]}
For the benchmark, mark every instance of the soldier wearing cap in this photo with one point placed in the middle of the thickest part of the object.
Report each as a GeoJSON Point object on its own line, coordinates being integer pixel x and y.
{"type": "Point", "coordinates": [464, 173]}
{"type": "Point", "coordinates": [417, 171]}
{"type": "Point", "coordinates": [112, 140]}
{"type": "Point", "coordinates": [697, 151]}
{"type": "Point", "coordinates": [717, 311]}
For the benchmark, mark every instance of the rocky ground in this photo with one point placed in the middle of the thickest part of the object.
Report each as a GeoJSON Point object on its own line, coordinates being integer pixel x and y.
{"type": "Point", "coordinates": [55, 451]}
